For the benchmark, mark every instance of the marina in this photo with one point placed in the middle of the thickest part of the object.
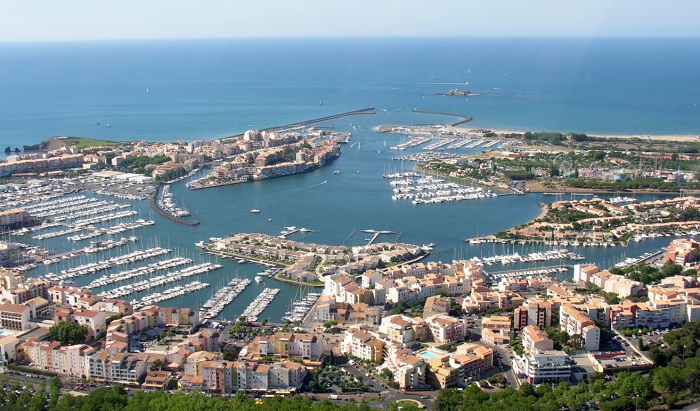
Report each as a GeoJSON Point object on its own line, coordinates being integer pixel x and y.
{"type": "Point", "coordinates": [167, 203]}
{"type": "Point", "coordinates": [505, 259]}
{"type": "Point", "coordinates": [259, 304]}
{"type": "Point", "coordinates": [301, 308]}
{"type": "Point", "coordinates": [223, 297]}
{"type": "Point", "coordinates": [139, 272]}
{"type": "Point", "coordinates": [154, 282]}
{"type": "Point", "coordinates": [432, 190]}
{"type": "Point", "coordinates": [169, 294]}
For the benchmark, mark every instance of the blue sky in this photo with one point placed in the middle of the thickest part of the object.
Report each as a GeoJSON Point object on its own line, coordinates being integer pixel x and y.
{"type": "Point", "coordinates": [33, 20]}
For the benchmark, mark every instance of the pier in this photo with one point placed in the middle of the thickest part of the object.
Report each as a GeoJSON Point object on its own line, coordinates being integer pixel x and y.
{"type": "Point", "coordinates": [645, 258]}
{"type": "Point", "coordinates": [368, 110]}
{"type": "Point", "coordinates": [466, 119]}
{"type": "Point", "coordinates": [375, 234]}
{"type": "Point", "coordinates": [154, 205]}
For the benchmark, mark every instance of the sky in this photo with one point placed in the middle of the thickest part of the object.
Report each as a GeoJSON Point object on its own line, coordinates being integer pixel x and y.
{"type": "Point", "coordinates": [89, 20]}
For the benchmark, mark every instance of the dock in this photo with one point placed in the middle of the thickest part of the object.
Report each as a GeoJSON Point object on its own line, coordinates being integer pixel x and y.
{"type": "Point", "coordinates": [375, 234]}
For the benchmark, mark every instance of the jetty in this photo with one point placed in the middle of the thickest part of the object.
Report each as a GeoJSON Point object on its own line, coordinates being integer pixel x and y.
{"type": "Point", "coordinates": [368, 110]}
{"type": "Point", "coordinates": [154, 205]}
{"type": "Point", "coordinates": [465, 119]}
{"type": "Point", "coordinates": [375, 234]}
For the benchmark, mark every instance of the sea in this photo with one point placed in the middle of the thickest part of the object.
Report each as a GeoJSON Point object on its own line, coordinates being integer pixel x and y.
{"type": "Point", "coordinates": [189, 90]}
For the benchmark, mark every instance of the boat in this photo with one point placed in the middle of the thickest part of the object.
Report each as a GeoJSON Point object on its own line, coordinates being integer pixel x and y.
{"type": "Point", "coordinates": [258, 279]}
{"type": "Point", "coordinates": [336, 172]}
{"type": "Point", "coordinates": [254, 211]}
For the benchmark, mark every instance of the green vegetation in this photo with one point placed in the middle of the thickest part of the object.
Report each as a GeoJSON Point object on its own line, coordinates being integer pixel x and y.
{"type": "Point", "coordinates": [610, 298]}
{"type": "Point", "coordinates": [172, 174]}
{"type": "Point", "coordinates": [115, 398]}
{"type": "Point", "coordinates": [674, 382]}
{"type": "Point", "coordinates": [631, 184]}
{"type": "Point", "coordinates": [415, 308]}
{"type": "Point", "coordinates": [519, 175]}
{"type": "Point", "coordinates": [333, 376]}
{"type": "Point", "coordinates": [629, 332]}
{"type": "Point", "coordinates": [649, 274]}
{"type": "Point", "coordinates": [81, 143]}
{"type": "Point", "coordinates": [31, 370]}
{"type": "Point", "coordinates": [68, 333]}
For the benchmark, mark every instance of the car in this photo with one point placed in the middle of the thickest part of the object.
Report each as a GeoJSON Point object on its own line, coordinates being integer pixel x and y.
{"type": "Point", "coordinates": [425, 397]}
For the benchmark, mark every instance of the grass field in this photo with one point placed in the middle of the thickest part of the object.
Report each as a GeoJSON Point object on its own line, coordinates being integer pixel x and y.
{"type": "Point", "coordinates": [80, 143]}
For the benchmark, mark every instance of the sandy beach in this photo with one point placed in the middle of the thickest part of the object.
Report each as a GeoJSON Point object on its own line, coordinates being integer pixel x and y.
{"type": "Point", "coordinates": [655, 137]}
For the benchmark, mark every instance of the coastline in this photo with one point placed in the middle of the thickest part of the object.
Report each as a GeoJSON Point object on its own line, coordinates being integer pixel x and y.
{"type": "Point", "coordinates": [688, 138]}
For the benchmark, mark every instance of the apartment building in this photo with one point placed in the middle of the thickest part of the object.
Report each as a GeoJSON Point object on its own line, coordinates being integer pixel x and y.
{"type": "Point", "coordinates": [496, 330]}
{"type": "Point", "coordinates": [231, 376]}
{"type": "Point", "coordinates": [446, 329]}
{"type": "Point", "coordinates": [537, 312]}
{"type": "Point", "coordinates": [574, 322]}
{"type": "Point", "coordinates": [363, 345]}
{"type": "Point", "coordinates": [15, 317]}
{"type": "Point", "coordinates": [285, 345]}
{"type": "Point", "coordinates": [119, 368]}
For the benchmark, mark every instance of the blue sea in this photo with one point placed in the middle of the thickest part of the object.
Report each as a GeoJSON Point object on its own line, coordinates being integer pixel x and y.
{"type": "Point", "coordinates": [164, 90]}
{"type": "Point", "coordinates": [189, 90]}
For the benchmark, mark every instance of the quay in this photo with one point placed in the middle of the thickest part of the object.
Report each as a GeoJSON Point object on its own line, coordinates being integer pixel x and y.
{"type": "Point", "coordinates": [368, 110]}
{"type": "Point", "coordinates": [529, 271]}
{"type": "Point", "coordinates": [154, 205]}
{"type": "Point", "coordinates": [646, 257]}
{"type": "Point", "coordinates": [466, 119]}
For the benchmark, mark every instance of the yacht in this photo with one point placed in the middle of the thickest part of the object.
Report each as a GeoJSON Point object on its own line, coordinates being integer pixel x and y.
{"type": "Point", "coordinates": [258, 279]}
{"type": "Point", "coordinates": [336, 172]}
{"type": "Point", "coordinates": [255, 211]}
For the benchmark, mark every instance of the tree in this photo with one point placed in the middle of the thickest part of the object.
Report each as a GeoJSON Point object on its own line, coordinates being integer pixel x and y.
{"type": "Point", "coordinates": [387, 374]}
{"type": "Point", "coordinates": [157, 365]}
{"type": "Point", "coordinates": [230, 354]}
{"type": "Point", "coordinates": [67, 332]}
{"type": "Point", "coordinates": [667, 380]}
{"type": "Point", "coordinates": [330, 324]}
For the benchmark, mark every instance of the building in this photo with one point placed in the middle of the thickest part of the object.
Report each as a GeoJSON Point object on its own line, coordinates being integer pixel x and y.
{"type": "Point", "coordinates": [8, 348]}
{"type": "Point", "coordinates": [446, 329]}
{"type": "Point", "coordinates": [285, 345]}
{"type": "Point", "coordinates": [119, 368]}
{"type": "Point", "coordinates": [574, 322]}
{"type": "Point", "coordinates": [436, 305]}
{"type": "Point", "coordinates": [535, 340]}
{"type": "Point", "coordinates": [543, 367]}
{"type": "Point", "coordinates": [683, 251]}
{"type": "Point", "coordinates": [362, 345]}
{"type": "Point", "coordinates": [496, 330]}
{"type": "Point", "coordinates": [231, 376]}
{"type": "Point", "coordinates": [537, 312]}
{"type": "Point", "coordinates": [15, 317]}
{"type": "Point", "coordinates": [14, 218]}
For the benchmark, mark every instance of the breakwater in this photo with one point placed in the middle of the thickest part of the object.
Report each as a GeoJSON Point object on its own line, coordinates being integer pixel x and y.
{"type": "Point", "coordinates": [154, 205]}
{"type": "Point", "coordinates": [368, 110]}
{"type": "Point", "coordinates": [465, 119]}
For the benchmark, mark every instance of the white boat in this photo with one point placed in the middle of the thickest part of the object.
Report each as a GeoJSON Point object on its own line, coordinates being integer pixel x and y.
{"type": "Point", "coordinates": [258, 279]}
{"type": "Point", "coordinates": [336, 172]}
{"type": "Point", "coordinates": [254, 211]}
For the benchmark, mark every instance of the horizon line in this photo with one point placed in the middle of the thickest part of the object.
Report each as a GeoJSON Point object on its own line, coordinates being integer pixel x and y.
{"type": "Point", "coordinates": [360, 37]}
